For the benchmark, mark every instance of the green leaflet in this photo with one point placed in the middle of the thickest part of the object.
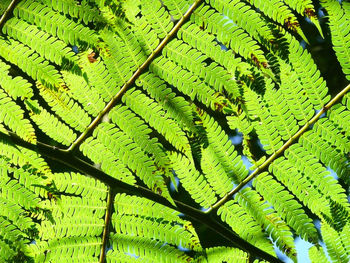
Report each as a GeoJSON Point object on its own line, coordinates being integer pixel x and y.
{"type": "Point", "coordinates": [214, 103]}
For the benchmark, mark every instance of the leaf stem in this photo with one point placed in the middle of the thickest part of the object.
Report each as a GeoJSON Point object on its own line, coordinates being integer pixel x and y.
{"type": "Point", "coordinates": [110, 201]}
{"type": "Point", "coordinates": [133, 78]}
{"type": "Point", "coordinates": [7, 12]}
{"type": "Point", "coordinates": [288, 143]}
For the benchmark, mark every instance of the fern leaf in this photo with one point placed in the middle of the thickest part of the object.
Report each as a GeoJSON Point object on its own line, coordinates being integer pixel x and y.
{"type": "Point", "coordinates": [286, 173]}
{"type": "Point", "coordinates": [245, 17]}
{"type": "Point", "coordinates": [157, 118]}
{"type": "Point", "coordinates": [206, 43]}
{"type": "Point", "coordinates": [146, 249]}
{"type": "Point", "coordinates": [136, 129]}
{"type": "Point", "coordinates": [292, 90]}
{"type": "Point", "coordinates": [264, 126]}
{"type": "Point", "coordinates": [71, 226]}
{"type": "Point", "coordinates": [131, 155]}
{"type": "Point", "coordinates": [303, 64]}
{"type": "Point", "coordinates": [229, 34]}
{"type": "Point", "coordinates": [279, 12]}
{"type": "Point", "coordinates": [13, 116]}
{"type": "Point", "coordinates": [268, 219]}
{"type": "Point", "coordinates": [157, 17]}
{"type": "Point", "coordinates": [338, 21]}
{"type": "Point", "coordinates": [188, 84]}
{"type": "Point", "coordinates": [193, 181]}
{"type": "Point", "coordinates": [65, 107]}
{"type": "Point", "coordinates": [214, 75]}
{"type": "Point", "coordinates": [87, 96]}
{"type": "Point", "coordinates": [285, 204]}
{"type": "Point", "coordinates": [221, 147]}
{"type": "Point", "coordinates": [329, 156]}
{"type": "Point", "coordinates": [154, 229]}
{"type": "Point", "coordinates": [225, 254]}
{"type": "Point", "coordinates": [287, 125]}
{"type": "Point", "coordinates": [340, 116]}
{"type": "Point", "coordinates": [49, 124]}
{"type": "Point", "coordinates": [238, 219]}
{"type": "Point", "coordinates": [30, 62]}
{"type": "Point", "coordinates": [54, 23]}
{"type": "Point", "coordinates": [176, 106]}
{"type": "Point", "coordinates": [110, 164]}
{"type": "Point", "coordinates": [14, 87]}
{"type": "Point", "coordinates": [177, 8]}
{"type": "Point", "coordinates": [70, 7]}
{"type": "Point", "coordinates": [317, 254]}
{"type": "Point", "coordinates": [82, 248]}
{"type": "Point", "coordinates": [78, 184]}
{"type": "Point", "coordinates": [43, 43]}
{"type": "Point", "coordinates": [337, 243]}
{"type": "Point", "coordinates": [316, 173]}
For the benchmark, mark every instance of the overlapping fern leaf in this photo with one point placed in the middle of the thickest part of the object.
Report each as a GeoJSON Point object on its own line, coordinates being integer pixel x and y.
{"type": "Point", "coordinates": [151, 93]}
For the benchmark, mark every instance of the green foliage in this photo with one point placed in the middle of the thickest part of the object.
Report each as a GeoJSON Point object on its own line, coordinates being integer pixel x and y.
{"type": "Point", "coordinates": [149, 97]}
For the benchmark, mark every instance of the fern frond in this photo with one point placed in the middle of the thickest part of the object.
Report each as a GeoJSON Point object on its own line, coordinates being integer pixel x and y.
{"type": "Point", "coordinates": [146, 249]}
{"type": "Point", "coordinates": [222, 149]}
{"type": "Point", "coordinates": [132, 156]}
{"type": "Point", "coordinates": [328, 155]}
{"type": "Point", "coordinates": [306, 69]}
{"type": "Point", "coordinates": [14, 213]}
{"type": "Point", "coordinates": [244, 225]}
{"type": "Point", "coordinates": [153, 114]}
{"type": "Point", "coordinates": [225, 254]}
{"type": "Point", "coordinates": [177, 8]}
{"type": "Point", "coordinates": [193, 181]}
{"type": "Point", "coordinates": [157, 16]}
{"type": "Point", "coordinates": [317, 255]}
{"type": "Point", "coordinates": [340, 116]}
{"type": "Point", "coordinates": [137, 130]}
{"type": "Point", "coordinates": [316, 173]}
{"type": "Point", "coordinates": [155, 229]}
{"type": "Point", "coordinates": [88, 96]}
{"type": "Point", "coordinates": [97, 152]}
{"type": "Point", "coordinates": [70, 7]}
{"type": "Point", "coordinates": [280, 113]}
{"type": "Point", "coordinates": [43, 43]}
{"type": "Point", "coordinates": [71, 227]}
{"type": "Point", "coordinates": [192, 60]}
{"type": "Point", "coordinates": [98, 76]}
{"type": "Point", "coordinates": [206, 43]}
{"type": "Point", "coordinates": [82, 248]}
{"type": "Point", "coordinates": [13, 116]}
{"type": "Point", "coordinates": [80, 185]}
{"type": "Point", "coordinates": [268, 219]}
{"type": "Point", "coordinates": [184, 81]}
{"type": "Point", "coordinates": [285, 204]}
{"type": "Point", "coordinates": [30, 62]}
{"type": "Point", "coordinates": [229, 34]}
{"type": "Point", "coordinates": [176, 106]}
{"type": "Point", "coordinates": [279, 12]}
{"type": "Point", "coordinates": [264, 125]}
{"type": "Point", "coordinates": [21, 156]}
{"type": "Point", "coordinates": [286, 173]}
{"type": "Point", "coordinates": [65, 107]}
{"type": "Point", "coordinates": [294, 94]}
{"type": "Point", "coordinates": [337, 243]}
{"type": "Point", "coordinates": [338, 21]}
{"type": "Point", "coordinates": [244, 16]}
{"type": "Point", "coordinates": [14, 87]}
{"type": "Point", "coordinates": [327, 130]}
{"type": "Point", "coordinates": [54, 23]}
{"type": "Point", "coordinates": [49, 124]}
